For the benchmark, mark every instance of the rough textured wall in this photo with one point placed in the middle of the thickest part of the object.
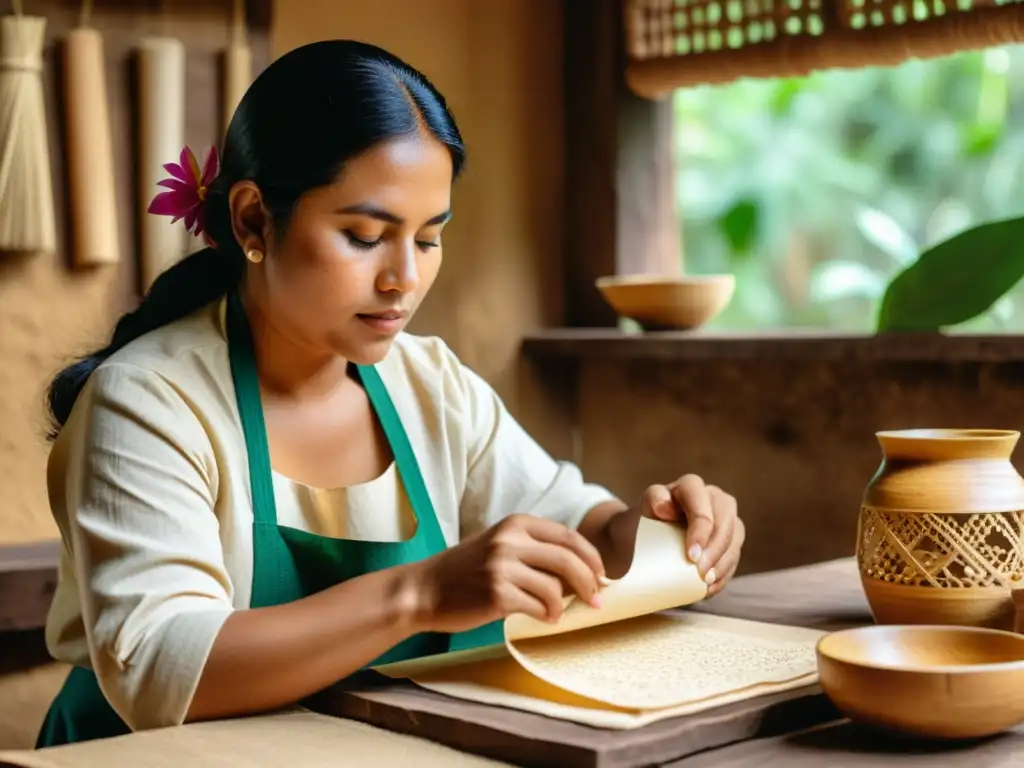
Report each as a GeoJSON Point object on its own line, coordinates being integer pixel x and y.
{"type": "Point", "coordinates": [499, 65]}
{"type": "Point", "coordinates": [793, 440]}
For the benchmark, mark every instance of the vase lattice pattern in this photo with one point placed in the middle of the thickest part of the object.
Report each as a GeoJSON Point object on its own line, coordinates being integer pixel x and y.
{"type": "Point", "coordinates": [952, 551]}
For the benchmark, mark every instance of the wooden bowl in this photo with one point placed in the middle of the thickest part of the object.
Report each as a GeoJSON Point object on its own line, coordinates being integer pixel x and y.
{"type": "Point", "coordinates": [668, 302]}
{"type": "Point", "coordinates": [938, 682]}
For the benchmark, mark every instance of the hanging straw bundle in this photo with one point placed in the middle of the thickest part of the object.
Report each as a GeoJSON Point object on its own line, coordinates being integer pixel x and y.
{"type": "Point", "coordinates": [26, 189]}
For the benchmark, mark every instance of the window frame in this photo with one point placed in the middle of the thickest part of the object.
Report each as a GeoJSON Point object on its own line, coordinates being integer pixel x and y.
{"type": "Point", "coordinates": [620, 219]}
{"type": "Point", "coordinates": [619, 166]}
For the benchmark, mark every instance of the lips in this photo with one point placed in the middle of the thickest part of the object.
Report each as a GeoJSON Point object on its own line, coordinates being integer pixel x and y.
{"type": "Point", "coordinates": [387, 323]}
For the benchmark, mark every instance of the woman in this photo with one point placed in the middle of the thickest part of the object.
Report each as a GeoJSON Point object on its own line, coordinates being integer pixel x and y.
{"type": "Point", "coordinates": [262, 484]}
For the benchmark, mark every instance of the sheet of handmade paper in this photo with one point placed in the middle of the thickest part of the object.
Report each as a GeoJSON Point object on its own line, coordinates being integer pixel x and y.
{"type": "Point", "coordinates": [663, 660]}
{"type": "Point", "coordinates": [694, 662]}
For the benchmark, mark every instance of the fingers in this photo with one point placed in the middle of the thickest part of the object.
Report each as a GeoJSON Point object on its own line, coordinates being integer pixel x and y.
{"type": "Point", "coordinates": [690, 493]}
{"type": "Point", "coordinates": [720, 584]}
{"type": "Point", "coordinates": [729, 562]}
{"type": "Point", "coordinates": [543, 588]}
{"type": "Point", "coordinates": [566, 565]}
{"type": "Point", "coordinates": [658, 503]}
{"type": "Point", "coordinates": [560, 551]}
{"type": "Point", "coordinates": [542, 529]}
{"type": "Point", "coordinates": [724, 515]}
{"type": "Point", "coordinates": [515, 599]}
{"type": "Point", "coordinates": [714, 532]}
{"type": "Point", "coordinates": [731, 559]}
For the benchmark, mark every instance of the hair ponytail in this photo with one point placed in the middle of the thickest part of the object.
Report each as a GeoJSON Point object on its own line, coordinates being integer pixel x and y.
{"type": "Point", "coordinates": [185, 287]}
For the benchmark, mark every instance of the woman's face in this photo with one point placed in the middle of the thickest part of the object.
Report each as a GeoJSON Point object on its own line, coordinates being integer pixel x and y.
{"type": "Point", "coordinates": [358, 256]}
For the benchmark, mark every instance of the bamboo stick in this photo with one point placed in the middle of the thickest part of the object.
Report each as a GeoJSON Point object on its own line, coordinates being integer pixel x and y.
{"type": "Point", "coordinates": [90, 156]}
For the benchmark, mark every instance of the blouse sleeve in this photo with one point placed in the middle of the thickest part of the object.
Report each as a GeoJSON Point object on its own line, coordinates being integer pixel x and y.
{"type": "Point", "coordinates": [508, 472]}
{"type": "Point", "coordinates": [139, 487]}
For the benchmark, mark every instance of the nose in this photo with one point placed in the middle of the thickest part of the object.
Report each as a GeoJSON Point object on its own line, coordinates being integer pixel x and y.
{"type": "Point", "coordinates": [400, 272]}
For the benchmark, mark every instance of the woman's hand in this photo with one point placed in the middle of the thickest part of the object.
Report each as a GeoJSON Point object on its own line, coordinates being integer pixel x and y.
{"type": "Point", "coordinates": [714, 531]}
{"type": "Point", "coordinates": [523, 564]}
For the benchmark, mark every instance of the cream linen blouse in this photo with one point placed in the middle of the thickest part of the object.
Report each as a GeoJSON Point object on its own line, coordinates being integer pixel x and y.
{"type": "Point", "coordinates": [149, 485]}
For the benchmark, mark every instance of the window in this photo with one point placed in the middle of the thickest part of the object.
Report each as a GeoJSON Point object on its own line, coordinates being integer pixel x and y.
{"type": "Point", "coordinates": [815, 191]}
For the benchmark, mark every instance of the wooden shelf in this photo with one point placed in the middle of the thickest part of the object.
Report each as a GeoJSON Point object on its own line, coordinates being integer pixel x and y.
{"type": "Point", "coordinates": [611, 343]}
{"type": "Point", "coordinates": [28, 578]}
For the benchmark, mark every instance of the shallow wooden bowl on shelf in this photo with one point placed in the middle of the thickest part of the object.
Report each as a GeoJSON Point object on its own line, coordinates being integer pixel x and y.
{"type": "Point", "coordinates": [668, 302]}
{"type": "Point", "coordinates": [933, 682]}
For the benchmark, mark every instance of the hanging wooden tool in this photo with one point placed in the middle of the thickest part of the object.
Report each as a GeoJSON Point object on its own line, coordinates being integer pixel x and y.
{"type": "Point", "coordinates": [90, 155]}
{"type": "Point", "coordinates": [26, 189]}
{"type": "Point", "coordinates": [161, 121]}
{"type": "Point", "coordinates": [237, 64]}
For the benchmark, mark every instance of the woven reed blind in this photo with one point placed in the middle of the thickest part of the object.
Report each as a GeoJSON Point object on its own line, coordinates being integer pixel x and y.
{"type": "Point", "coordinates": [676, 43]}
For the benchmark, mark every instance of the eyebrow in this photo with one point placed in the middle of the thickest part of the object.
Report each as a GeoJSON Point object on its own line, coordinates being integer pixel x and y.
{"type": "Point", "coordinates": [366, 209]}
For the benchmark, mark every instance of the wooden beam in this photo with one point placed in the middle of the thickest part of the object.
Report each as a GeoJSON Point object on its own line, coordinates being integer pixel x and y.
{"type": "Point", "coordinates": [647, 227]}
{"type": "Point", "coordinates": [566, 344]}
{"type": "Point", "coordinates": [258, 13]}
{"type": "Point", "coordinates": [620, 202]}
{"type": "Point", "coordinates": [591, 73]}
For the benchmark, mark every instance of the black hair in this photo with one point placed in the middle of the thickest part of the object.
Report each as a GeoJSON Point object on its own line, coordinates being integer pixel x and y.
{"type": "Point", "coordinates": [309, 112]}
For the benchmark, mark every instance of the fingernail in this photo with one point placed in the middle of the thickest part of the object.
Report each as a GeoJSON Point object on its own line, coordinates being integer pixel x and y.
{"type": "Point", "coordinates": [596, 601]}
{"type": "Point", "coordinates": [710, 578]}
{"type": "Point", "coordinates": [695, 552]}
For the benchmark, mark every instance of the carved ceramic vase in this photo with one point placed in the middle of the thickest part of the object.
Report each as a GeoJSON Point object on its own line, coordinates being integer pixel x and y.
{"type": "Point", "coordinates": [940, 539]}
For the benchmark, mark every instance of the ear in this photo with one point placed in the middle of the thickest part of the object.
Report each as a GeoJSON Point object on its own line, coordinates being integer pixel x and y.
{"type": "Point", "coordinates": [250, 220]}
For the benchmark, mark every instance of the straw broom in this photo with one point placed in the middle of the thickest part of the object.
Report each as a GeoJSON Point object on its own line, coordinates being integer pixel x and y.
{"type": "Point", "coordinates": [26, 189]}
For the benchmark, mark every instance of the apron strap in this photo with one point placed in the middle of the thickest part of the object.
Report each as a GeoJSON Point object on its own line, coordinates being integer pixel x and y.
{"type": "Point", "coordinates": [405, 457]}
{"type": "Point", "coordinates": [242, 357]}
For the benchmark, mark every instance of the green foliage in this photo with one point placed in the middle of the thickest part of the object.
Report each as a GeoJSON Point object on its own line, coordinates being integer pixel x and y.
{"type": "Point", "coordinates": [817, 192]}
{"type": "Point", "coordinates": [739, 225]}
{"type": "Point", "coordinates": [956, 280]}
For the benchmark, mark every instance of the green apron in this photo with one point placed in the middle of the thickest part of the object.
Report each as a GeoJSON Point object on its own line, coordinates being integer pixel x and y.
{"type": "Point", "coordinates": [288, 564]}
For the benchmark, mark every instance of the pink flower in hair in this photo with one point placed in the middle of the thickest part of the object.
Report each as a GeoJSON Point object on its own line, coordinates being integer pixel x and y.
{"type": "Point", "coordinates": [187, 190]}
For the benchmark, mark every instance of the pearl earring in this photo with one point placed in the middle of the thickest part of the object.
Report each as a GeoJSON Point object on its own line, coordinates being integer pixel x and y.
{"type": "Point", "coordinates": [254, 256]}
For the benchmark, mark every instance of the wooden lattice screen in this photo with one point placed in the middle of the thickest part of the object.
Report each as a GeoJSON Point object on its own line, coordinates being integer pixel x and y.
{"type": "Point", "coordinates": [676, 43]}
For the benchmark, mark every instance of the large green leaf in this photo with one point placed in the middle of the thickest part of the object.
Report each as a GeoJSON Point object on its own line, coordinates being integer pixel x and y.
{"type": "Point", "coordinates": [740, 226]}
{"type": "Point", "coordinates": [956, 280]}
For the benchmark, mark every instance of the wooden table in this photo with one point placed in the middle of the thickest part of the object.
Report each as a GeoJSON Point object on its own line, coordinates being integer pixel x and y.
{"type": "Point", "coordinates": [798, 728]}
{"type": "Point", "coordinates": [847, 746]}
{"type": "Point", "coordinates": [785, 731]}
{"type": "Point", "coordinates": [829, 596]}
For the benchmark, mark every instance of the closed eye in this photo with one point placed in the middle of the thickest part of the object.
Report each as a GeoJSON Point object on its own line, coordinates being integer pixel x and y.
{"type": "Point", "coordinates": [358, 242]}
{"type": "Point", "coordinates": [366, 245]}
